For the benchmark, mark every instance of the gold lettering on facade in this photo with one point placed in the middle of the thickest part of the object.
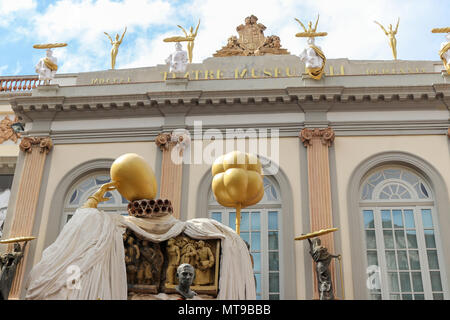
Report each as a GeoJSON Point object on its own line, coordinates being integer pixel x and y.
{"type": "Point", "coordinates": [331, 71]}
{"type": "Point", "coordinates": [219, 74]}
{"type": "Point", "coordinates": [253, 73]}
{"type": "Point", "coordinates": [242, 74]}
{"type": "Point", "coordinates": [276, 72]}
{"type": "Point", "coordinates": [267, 72]}
{"type": "Point", "coordinates": [209, 75]}
{"type": "Point", "coordinates": [288, 73]}
{"type": "Point", "coordinates": [196, 73]}
{"type": "Point", "coordinates": [186, 75]}
{"type": "Point", "coordinates": [342, 70]}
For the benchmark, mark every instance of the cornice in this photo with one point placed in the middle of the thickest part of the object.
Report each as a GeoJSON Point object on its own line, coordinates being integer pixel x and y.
{"type": "Point", "coordinates": [180, 101]}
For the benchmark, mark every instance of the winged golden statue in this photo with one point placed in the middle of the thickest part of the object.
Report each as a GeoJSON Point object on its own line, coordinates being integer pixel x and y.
{"type": "Point", "coordinates": [189, 37]}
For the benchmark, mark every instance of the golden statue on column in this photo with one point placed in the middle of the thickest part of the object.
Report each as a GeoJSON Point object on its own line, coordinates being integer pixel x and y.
{"type": "Point", "coordinates": [313, 56]}
{"type": "Point", "coordinates": [391, 35]}
{"type": "Point", "coordinates": [444, 52]}
{"type": "Point", "coordinates": [190, 38]}
{"type": "Point", "coordinates": [115, 47]}
{"type": "Point", "coordinates": [237, 181]}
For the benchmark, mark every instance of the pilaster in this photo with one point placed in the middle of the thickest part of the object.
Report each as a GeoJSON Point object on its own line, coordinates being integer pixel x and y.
{"type": "Point", "coordinates": [35, 150]}
{"type": "Point", "coordinates": [317, 141]}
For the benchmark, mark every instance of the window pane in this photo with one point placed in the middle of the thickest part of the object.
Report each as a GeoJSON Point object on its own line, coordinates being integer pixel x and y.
{"type": "Point", "coordinates": [274, 282]}
{"type": "Point", "coordinates": [438, 296]}
{"type": "Point", "coordinates": [257, 261]}
{"type": "Point", "coordinates": [388, 240]}
{"type": "Point", "coordinates": [392, 173]}
{"type": "Point", "coordinates": [216, 216]}
{"type": "Point", "coordinates": [405, 283]}
{"type": "Point", "coordinates": [244, 221]}
{"type": "Point", "coordinates": [429, 239]}
{"type": "Point", "coordinates": [256, 223]}
{"type": "Point", "coordinates": [370, 239]}
{"type": "Point", "coordinates": [372, 259]}
{"type": "Point", "coordinates": [273, 261]}
{"type": "Point", "coordinates": [274, 297]}
{"type": "Point", "coordinates": [406, 296]}
{"type": "Point", "coordinates": [414, 259]}
{"type": "Point", "coordinates": [258, 282]}
{"type": "Point", "coordinates": [419, 297]}
{"type": "Point", "coordinates": [246, 237]}
{"type": "Point", "coordinates": [273, 240]}
{"type": "Point", "coordinates": [409, 219]}
{"type": "Point", "coordinates": [394, 297]}
{"type": "Point", "coordinates": [390, 260]}
{"type": "Point", "coordinates": [232, 220]}
{"type": "Point", "coordinates": [400, 239]}
{"type": "Point", "coordinates": [386, 218]}
{"type": "Point", "coordinates": [273, 220]}
{"type": "Point", "coordinates": [426, 218]}
{"type": "Point", "coordinates": [432, 259]}
{"type": "Point", "coordinates": [256, 241]}
{"type": "Point", "coordinates": [393, 282]}
{"type": "Point", "coordinates": [375, 297]}
{"type": "Point", "coordinates": [436, 281]}
{"type": "Point", "coordinates": [398, 219]}
{"type": "Point", "coordinates": [412, 240]}
{"type": "Point", "coordinates": [368, 219]}
{"type": "Point", "coordinates": [417, 281]}
{"type": "Point", "coordinates": [402, 260]}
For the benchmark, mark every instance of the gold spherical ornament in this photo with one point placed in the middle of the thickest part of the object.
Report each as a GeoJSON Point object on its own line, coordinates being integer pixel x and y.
{"type": "Point", "coordinates": [133, 177]}
{"type": "Point", "coordinates": [237, 181]}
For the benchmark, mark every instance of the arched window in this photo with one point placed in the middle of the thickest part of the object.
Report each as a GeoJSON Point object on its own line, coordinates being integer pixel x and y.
{"type": "Point", "coordinates": [261, 228]}
{"type": "Point", "coordinates": [402, 242]}
{"type": "Point", "coordinates": [87, 186]}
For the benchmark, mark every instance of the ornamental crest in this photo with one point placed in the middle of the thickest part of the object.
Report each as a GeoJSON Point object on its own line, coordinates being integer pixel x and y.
{"type": "Point", "coordinates": [251, 41]}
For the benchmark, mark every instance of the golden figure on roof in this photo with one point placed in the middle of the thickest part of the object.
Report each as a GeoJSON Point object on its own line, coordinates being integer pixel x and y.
{"type": "Point", "coordinates": [444, 52]}
{"type": "Point", "coordinates": [115, 47]}
{"type": "Point", "coordinates": [391, 35]}
{"type": "Point", "coordinates": [190, 38]}
{"type": "Point", "coordinates": [310, 32]}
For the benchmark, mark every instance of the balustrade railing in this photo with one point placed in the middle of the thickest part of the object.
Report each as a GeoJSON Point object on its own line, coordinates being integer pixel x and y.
{"type": "Point", "coordinates": [14, 84]}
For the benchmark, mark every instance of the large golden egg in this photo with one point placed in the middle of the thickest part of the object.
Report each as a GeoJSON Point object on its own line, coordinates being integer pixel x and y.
{"type": "Point", "coordinates": [133, 177]}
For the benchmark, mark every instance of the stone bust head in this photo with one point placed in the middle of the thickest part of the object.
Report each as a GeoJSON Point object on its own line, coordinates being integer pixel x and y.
{"type": "Point", "coordinates": [185, 276]}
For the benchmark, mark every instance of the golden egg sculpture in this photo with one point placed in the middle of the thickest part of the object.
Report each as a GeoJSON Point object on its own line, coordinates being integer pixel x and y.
{"type": "Point", "coordinates": [133, 177]}
{"type": "Point", "coordinates": [237, 181]}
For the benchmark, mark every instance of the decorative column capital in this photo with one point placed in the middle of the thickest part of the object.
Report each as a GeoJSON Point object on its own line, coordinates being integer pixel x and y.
{"type": "Point", "coordinates": [326, 136]}
{"type": "Point", "coordinates": [44, 143]}
{"type": "Point", "coordinates": [179, 138]}
{"type": "Point", "coordinates": [163, 140]}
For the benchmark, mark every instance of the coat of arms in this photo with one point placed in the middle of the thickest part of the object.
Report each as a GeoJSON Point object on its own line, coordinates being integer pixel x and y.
{"type": "Point", "coordinates": [251, 42]}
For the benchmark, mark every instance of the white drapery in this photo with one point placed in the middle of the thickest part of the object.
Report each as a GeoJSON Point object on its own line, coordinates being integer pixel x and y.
{"type": "Point", "coordinates": [91, 243]}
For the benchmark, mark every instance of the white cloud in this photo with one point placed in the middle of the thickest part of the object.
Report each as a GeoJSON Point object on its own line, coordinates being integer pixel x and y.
{"type": "Point", "coordinates": [3, 69]}
{"type": "Point", "coordinates": [9, 10]}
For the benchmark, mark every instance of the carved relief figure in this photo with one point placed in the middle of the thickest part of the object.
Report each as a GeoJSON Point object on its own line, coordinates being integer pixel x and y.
{"type": "Point", "coordinates": [152, 260]}
{"type": "Point", "coordinates": [188, 252]}
{"type": "Point", "coordinates": [173, 254]}
{"type": "Point", "coordinates": [204, 264]}
{"type": "Point", "coordinates": [132, 254]}
{"type": "Point", "coordinates": [6, 130]}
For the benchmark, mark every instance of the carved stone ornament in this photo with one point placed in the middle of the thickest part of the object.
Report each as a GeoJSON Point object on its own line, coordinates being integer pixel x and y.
{"type": "Point", "coordinates": [6, 130]}
{"type": "Point", "coordinates": [45, 144]}
{"type": "Point", "coordinates": [251, 42]}
{"type": "Point", "coordinates": [326, 136]}
{"type": "Point", "coordinates": [162, 141]}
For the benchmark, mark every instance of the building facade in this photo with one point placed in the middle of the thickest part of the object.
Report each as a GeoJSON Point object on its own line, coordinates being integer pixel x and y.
{"type": "Point", "coordinates": [365, 149]}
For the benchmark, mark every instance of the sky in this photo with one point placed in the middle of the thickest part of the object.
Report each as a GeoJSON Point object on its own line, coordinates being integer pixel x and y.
{"type": "Point", "coordinates": [81, 24]}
